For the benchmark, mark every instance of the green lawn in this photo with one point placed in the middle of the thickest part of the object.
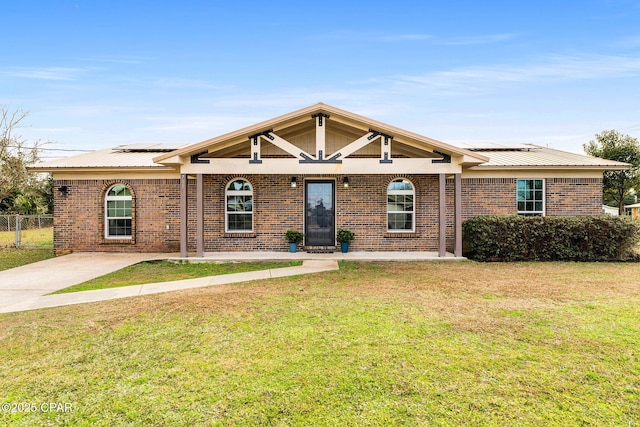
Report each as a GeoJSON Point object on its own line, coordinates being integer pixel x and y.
{"type": "Point", "coordinates": [424, 343]}
{"type": "Point", "coordinates": [39, 242]}
{"type": "Point", "coordinates": [164, 271]}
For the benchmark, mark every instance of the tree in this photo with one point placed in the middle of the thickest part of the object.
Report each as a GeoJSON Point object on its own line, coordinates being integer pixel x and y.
{"type": "Point", "coordinates": [612, 145]}
{"type": "Point", "coordinates": [21, 191]}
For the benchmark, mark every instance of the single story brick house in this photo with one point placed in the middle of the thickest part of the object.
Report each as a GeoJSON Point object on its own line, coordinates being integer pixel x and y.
{"type": "Point", "coordinates": [315, 170]}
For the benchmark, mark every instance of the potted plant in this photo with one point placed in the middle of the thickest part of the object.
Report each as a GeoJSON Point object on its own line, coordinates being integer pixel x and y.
{"type": "Point", "coordinates": [294, 238]}
{"type": "Point", "coordinates": [344, 237]}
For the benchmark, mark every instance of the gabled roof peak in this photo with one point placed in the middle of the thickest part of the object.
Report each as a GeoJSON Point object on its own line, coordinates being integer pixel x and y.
{"type": "Point", "coordinates": [336, 114]}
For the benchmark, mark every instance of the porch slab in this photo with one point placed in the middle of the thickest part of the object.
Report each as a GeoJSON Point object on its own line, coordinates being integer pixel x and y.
{"type": "Point", "coordinates": [336, 256]}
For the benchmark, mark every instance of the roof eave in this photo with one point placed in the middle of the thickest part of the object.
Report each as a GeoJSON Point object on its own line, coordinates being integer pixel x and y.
{"type": "Point", "coordinates": [101, 168]}
{"type": "Point", "coordinates": [552, 167]}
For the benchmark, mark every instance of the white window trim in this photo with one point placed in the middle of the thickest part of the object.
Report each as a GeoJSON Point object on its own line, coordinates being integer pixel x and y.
{"type": "Point", "coordinates": [400, 193]}
{"type": "Point", "coordinates": [544, 197]}
{"type": "Point", "coordinates": [228, 193]}
{"type": "Point", "coordinates": [107, 199]}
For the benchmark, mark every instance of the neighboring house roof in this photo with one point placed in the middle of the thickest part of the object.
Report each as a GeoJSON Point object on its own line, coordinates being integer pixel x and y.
{"type": "Point", "coordinates": [132, 156]}
{"type": "Point", "coordinates": [610, 210]}
{"type": "Point", "coordinates": [635, 205]}
{"type": "Point", "coordinates": [516, 156]}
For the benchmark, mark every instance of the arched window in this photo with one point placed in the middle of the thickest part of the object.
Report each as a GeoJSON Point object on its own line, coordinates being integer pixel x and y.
{"type": "Point", "coordinates": [239, 207]}
{"type": "Point", "coordinates": [117, 217]}
{"type": "Point", "coordinates": [400, 206]}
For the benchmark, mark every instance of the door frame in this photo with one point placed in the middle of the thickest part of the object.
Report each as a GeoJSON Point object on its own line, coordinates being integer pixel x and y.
{"type": "Point", "coordinates": [307, 181]}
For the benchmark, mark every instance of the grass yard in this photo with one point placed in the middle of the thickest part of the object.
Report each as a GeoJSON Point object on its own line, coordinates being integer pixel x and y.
{"type": "Point", "coordinates": [164, 271]}
{"type": "Point", "coordinates": [40, 242]}
{"type": "Point", "coordinates": [425, 343]}
{"type": "Point", "coordinates": [36, 237]}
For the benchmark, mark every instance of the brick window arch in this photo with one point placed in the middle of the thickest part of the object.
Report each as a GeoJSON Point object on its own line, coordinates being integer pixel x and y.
{"type": "Point", "coordinates": [118, 212]}
{"type": "Point", "coordinates": [401, 206]}
{"type": "Point", "coordinates": [239, 206]}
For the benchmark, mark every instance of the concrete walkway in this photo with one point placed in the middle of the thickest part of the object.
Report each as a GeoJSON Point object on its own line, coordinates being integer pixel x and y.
{"type": "Point", "coordinates": [40, 278]}
{"type": "Point", "coordinates": [57, 300]}
{"type": "Point", "coordinates": [27, 287]}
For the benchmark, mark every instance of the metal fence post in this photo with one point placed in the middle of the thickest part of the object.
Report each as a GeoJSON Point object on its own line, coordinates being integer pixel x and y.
{"type": "Point", "coordinates": [18, 231]}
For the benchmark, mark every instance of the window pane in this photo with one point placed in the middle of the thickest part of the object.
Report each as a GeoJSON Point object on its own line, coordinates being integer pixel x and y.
{"type": "Point", "coordinates": [119, 190]}
{"type": "Point", "coordinates": [120, 227]}
{"type": "Point", "coordinates": [400, 221]}
{"type": "Point", "coordinates": [538, 184]}
{"type": "Point", "coordinates": [400, 184]}
{"type": "Point", "coordinates": [239, 185]}
{"type": "Point", "coordinates": [239, 222]}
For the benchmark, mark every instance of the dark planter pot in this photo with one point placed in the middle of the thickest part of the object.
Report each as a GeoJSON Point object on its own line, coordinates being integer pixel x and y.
{"type": "Point", "coordinates": [344, 247]}
{"type": "Point", "coordinates": [293, 248]}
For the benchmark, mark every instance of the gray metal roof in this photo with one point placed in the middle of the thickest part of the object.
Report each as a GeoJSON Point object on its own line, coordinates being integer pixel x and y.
{"type": "Point", "coordinates": [501, 156]}
{"type": "Point", "coordinates": [531, 155]}
{"type": "Point", "coordinates": [122, 156]}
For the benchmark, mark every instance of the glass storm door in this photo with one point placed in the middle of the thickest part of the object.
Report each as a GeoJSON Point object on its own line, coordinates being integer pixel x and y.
{"type": "Point", "coordinates": [319, 213]}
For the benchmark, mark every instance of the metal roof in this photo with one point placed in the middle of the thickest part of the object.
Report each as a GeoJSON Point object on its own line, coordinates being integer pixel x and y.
{"type": "Point", "coordinates": [501, 156]}
{"type": "Point", "coordinates": [122, 156]}
{"type": "Point", "coordinates": [531, 155]}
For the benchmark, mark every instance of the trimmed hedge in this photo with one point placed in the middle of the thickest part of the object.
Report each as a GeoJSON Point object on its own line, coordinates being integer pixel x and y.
{"type": "Point", "coordinates": [538, 238]}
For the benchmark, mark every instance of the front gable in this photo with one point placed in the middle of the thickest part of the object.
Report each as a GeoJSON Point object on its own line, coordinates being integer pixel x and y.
{"type": "Point", "coordinates": [321, 140]}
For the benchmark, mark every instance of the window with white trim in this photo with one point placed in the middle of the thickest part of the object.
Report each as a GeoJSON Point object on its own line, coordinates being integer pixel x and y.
{"type": "Point", "coordinates": [400, 206]}
{"type": "Point", "coordinates": [239, 207]}
{"type": "Point", "coordinates": [530, 197]}
{"type": "Point", "coordinates": [117, 217]}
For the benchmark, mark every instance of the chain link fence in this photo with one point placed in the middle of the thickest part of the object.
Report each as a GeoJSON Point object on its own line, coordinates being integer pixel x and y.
{"type": "Point", "coordinates": [26, 231]}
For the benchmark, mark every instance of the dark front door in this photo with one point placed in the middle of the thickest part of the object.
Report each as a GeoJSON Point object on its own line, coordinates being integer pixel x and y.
{"type": "Point", "coordinates": [319, 226]}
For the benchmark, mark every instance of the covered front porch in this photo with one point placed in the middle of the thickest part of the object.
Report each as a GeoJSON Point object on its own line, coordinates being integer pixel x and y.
{"type": "Point", "coordinates": [441, 226]}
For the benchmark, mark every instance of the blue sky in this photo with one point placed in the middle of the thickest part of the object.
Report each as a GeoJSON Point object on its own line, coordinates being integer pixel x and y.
{"type": "Point", "coordinates": [94, 74]}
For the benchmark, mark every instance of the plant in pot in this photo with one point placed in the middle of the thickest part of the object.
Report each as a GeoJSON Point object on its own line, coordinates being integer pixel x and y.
{"type": "Point", "coordinates": [344, 237]}
{"type": "Point", "coordinates": [294, 238]}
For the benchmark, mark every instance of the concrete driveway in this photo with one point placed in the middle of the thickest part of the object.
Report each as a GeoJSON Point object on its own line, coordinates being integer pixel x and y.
{"type": "Point", "coordinates": [40, 278]}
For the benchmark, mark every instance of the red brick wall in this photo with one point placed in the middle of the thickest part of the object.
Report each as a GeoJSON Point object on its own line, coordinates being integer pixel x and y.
{"type": "Point", "coordinates": [573, 196]}
{"type": "Point", "coordinates": [79, 214]}
{"type": "Point", "coordinates": [563, 196]}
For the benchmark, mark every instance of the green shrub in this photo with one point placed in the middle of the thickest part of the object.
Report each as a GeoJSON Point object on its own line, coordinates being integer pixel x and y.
{"type": "Point", "coordinates": [538, 238]}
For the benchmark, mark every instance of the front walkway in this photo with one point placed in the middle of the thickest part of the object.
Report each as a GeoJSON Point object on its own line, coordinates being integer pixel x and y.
{"type": "Point", "coordinates": [57, 300]}
{"type": "Point", "coordinates": [28, 287]}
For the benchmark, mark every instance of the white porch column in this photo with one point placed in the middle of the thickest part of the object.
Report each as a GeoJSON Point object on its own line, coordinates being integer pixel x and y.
{"type": "Point", "coordinates": [184, 213]}
{"type": "Point", "coordinates": [442, 216]}
{"type": "Point", "coordinates": [200, 215]}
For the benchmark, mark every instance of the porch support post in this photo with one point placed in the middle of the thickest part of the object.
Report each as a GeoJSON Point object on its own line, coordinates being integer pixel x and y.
{"type": "Point", "coordinates": [442, 216]}
{"type": "Point", "coordinates": [184, 212]}
{"type": "Point", "coordinates": [458, 214]}
{"type": "Point", "coordinates": [200, 215]}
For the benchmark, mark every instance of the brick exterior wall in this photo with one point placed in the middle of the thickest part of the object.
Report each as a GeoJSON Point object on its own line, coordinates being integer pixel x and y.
{"type": "Point", "coordinates": [497, 196]}
{"type": "Point", "coordinates": [79, 214]}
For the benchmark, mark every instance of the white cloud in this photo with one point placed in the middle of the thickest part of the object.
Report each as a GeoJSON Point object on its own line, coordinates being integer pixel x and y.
{"type": "Point", "coordinates": [476, 40]}
{"type": "Point", "coordinates": [559, 68]}
{"type": "Point", "coordinates": [43, 73]}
